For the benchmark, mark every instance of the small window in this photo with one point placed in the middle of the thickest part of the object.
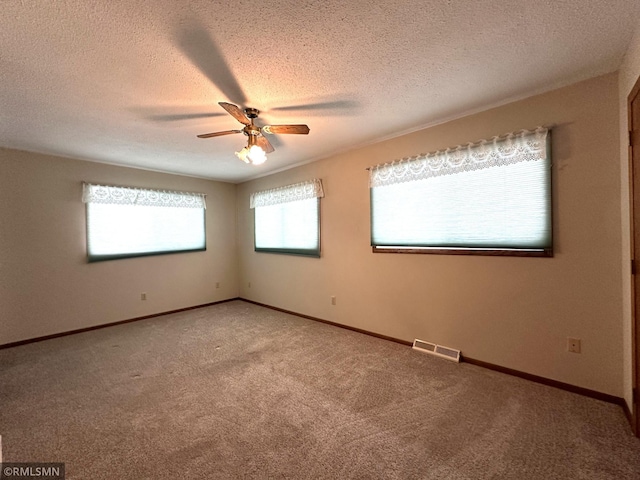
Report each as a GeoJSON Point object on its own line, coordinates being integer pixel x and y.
{"type": "Point", "coordinates": [287, 219]}
{"type": "Point", "coordinates": [489, 198]}
{"type": "Point", "coordinates": [125, 222]}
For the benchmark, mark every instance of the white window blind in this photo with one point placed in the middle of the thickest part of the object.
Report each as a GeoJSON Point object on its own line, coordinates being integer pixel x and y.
{"type": "Point", "coordinates": [128, 222]}
{"type": "Point", "coordinates": [287, 219]}
{"type": "Point", "coordinates": [490, 195]}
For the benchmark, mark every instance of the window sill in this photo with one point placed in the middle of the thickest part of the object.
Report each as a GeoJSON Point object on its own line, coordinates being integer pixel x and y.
{"type": "Point", "coordinates": [103, 258]}
{"type": "Point", "coordinates": [286, 251]}
{"type": "Point", "coordinates": [547, 252]}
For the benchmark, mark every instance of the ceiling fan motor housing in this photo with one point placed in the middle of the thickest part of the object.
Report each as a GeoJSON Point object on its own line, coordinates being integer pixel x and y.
{"type": "Point", "coordinates": [251, 112]}
{"type": "Point", "coordinates": [251, 130]}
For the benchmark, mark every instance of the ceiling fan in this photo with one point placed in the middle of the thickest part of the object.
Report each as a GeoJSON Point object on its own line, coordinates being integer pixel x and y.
{"type": "Point", "coordinates": [258, 146]}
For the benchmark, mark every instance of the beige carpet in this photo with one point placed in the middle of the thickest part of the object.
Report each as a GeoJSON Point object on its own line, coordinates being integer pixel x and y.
{"type": "Point", "coordinates": [239, 391]}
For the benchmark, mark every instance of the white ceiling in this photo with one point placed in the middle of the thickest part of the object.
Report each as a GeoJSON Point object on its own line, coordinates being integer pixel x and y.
{"type": "Point", "coordinates": [132, 82]}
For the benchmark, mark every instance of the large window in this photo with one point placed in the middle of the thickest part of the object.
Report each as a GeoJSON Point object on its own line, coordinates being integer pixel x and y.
{"type": "Point", "coordinates": [287, 219]}
{"type": "Point", "coordinates": [491, 197]}
{"type": "Point", "coordinates": [131, 222]}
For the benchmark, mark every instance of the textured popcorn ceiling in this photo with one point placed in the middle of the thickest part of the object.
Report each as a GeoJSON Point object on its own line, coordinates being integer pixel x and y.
{"type": "Point", "coordinates": [133, 82]}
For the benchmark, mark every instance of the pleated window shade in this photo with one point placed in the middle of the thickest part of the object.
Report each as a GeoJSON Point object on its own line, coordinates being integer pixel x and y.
{"type": "Point", "coordinates": [492, 196]}
{"type": "Point", "coordinates": [287, 219]}
{"type": "Point", "coordinates": [124, 222]}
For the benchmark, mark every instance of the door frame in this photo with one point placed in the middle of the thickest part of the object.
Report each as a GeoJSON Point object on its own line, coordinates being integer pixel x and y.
{"type": "Point", "coordinates": [634, 199]}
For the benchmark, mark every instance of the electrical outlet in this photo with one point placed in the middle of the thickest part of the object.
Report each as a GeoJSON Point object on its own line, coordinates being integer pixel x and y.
{"type": "Point", "coordinates": [217, 284]}
{"type": "Point", "coordinates": [143, 296]}
{"type": "Point", "coordinates": [333, 300]}
{"type": "Point", "coordinates": [574, 345]}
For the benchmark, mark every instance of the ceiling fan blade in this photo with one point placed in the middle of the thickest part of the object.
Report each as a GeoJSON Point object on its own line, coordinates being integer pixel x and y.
{"type": "Point", "coordinates": [335, 105]}
{"type": "Point", "coordinates": [264, 144]}
{"type": "Point", "coordinates": [300, 129]}
{"type": "Point", "coordinates": [235, 111]}
{"type": "Point", "coordinates": [182, 116]}
{"type": "Point", "coordinates": [218, 134]}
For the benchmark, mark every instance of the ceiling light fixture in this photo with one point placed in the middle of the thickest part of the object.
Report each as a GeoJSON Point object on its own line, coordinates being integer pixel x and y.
{"type": "Point", "coordinates": [258, 146]}
{"type": "Point", "coordinates": [254, 155]}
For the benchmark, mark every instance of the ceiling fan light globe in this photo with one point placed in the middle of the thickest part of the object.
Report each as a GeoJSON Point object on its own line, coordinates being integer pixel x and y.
{"type": "Point", "coordinates": [244, 155]}
{"type": "Point", "coordinates": [256, 155]}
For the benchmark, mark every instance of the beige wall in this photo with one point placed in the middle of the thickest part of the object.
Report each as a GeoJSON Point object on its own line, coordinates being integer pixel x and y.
{"type": "Point", "coordinates": [514, 312]}
{"type": "Point", "coordinates": [46, 284]}
{"type": "Point", "coordinates": [629, 73]}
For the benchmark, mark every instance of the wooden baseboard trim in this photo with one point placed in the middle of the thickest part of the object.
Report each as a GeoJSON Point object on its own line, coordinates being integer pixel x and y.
{"type": "Point", "coordinates": [328, 322]}
{"type": "Point", "coordinates": [527, 376]}
{"type": "Point", "coordinates": [605, 397]}
{"type": "Point", "coordinates": [111, 324]}
{"type": "Point", "coordinates": [509, 371]}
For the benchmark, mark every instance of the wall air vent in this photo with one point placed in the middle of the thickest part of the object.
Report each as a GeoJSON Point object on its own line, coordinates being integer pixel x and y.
{"type": "Point", "coordinates": [437, 350]}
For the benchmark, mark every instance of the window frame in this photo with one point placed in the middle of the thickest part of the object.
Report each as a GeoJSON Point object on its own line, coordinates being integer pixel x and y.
{"type": "Point", "coordinates": [290, 194]}
{"type": "Point", "coordinates": [93, 258]}
{"type": "Point", "coordinates": [313, 253]}
{"type": "Point", "coordinates": [547, 252]}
